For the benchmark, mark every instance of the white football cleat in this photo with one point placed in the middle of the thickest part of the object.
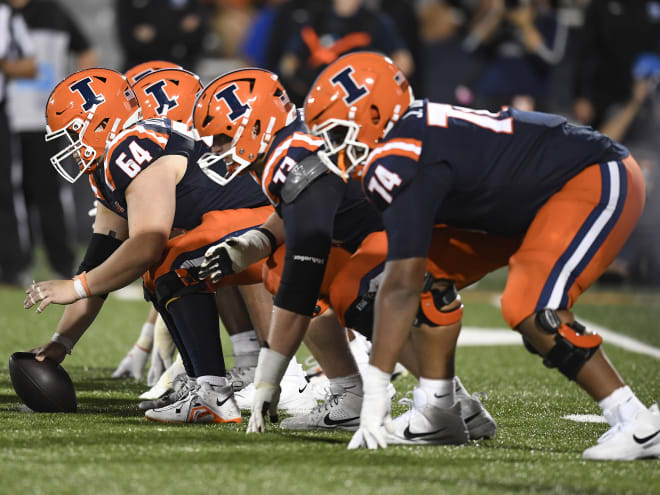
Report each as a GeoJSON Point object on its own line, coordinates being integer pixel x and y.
{"type": "Point", "coordinates": [241, 377]}
{"type": "Point", "coordinates": [320, 385]}
{"type": "Point", "coordinates": [296, 396]}
{"type": "Point", "coordinates": [165, 383]}
{"type": "Point", "coordinates": [339, 411]}
{"type": "Point", "coordinates": [425, 424]}
{"type": "Point", "coordinates": [479, 422]}
{"type": "Point", "coordinates": [133, 364]}
{"type": "Point", "coordinates": [637, 439]}
{"type": "Point", "coordinates": [182, 385]}
{"type": "Point", "coordinates": [205, 403]}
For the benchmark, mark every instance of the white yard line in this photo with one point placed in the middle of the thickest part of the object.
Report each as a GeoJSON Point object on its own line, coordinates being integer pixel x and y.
{"type": "Point", "coordinates": [474, 336]}
{"type": "Point", "coordinates": [486, 336]}
{"type": "Point", "coordinates": [609, 336]}
{"type": "Point", "coordinates": [622, 341]}
{"type": "Point", "coordinates": [585, 418]}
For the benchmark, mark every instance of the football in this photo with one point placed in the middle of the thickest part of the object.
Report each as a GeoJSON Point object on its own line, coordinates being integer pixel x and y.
{"type": "Point", "coordinates": [42, 385]}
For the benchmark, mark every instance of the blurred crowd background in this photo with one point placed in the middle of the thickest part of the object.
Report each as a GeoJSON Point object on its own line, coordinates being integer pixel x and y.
{"type": "Point", "coordinates": [597, 62]}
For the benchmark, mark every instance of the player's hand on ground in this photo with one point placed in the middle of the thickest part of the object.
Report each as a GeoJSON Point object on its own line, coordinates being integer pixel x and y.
{"type": "Point", "coordinates": [133, 364]}
{"type": "Point", "coordinates": [217, 261]}
{"type": "Point", "coordinates": [51, 350]}
{"type": "Point", "coordinates": [159, 364]}
{"type": "Point", "coordinates": [266, 398]}
{"type": "Point", "coordinates": [42, 294]}
{"type": "Point", "coordinates": [370, 435]}
{"type": "Point", "coordinates": [375, 415]}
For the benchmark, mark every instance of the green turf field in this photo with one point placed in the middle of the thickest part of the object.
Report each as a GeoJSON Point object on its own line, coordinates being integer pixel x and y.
{"type": "Point", "coordinates": [108, 447]}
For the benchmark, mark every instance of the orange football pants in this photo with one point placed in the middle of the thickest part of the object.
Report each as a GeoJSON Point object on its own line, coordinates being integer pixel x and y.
{"type": "Point", "coordinates": [187, 250]}
{"type": "Point", "coordinates": [573, 238]}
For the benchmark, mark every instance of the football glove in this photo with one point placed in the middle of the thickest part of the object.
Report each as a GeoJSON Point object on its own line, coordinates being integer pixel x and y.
{"type": "Point", "coordinates": [375, 416]}
{"type": "Point", "coordinates": [133, 364]}
{"type": "Point", "coordinates": [266, 398]}
{"type": "Point", "coordinates": [162, 354]}
{"type": "Point", "coordinates": [234, 255]}
{"type": "Point", "coordinates": [271, 367]}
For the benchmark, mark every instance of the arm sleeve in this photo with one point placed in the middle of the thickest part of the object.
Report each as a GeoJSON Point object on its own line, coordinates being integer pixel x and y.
{"type": "Point", "coordinates": [308, 225]}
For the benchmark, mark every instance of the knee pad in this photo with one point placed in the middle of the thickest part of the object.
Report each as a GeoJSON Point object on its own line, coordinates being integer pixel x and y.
{"type": "Point", "coordinates": [436, 307]}
{"type": "Point", "coordinates": [573, 345]}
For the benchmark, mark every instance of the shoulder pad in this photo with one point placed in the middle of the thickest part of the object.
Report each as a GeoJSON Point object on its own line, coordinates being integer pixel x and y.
{"type": "Point", "coordinates": [300, 176]}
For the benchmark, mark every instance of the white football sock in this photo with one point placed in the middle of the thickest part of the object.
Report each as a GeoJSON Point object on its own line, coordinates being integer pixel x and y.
{"type": "Point", "coordinates": [439, 393]}
{"type": "Point", "coordinates": [350, 383]}
{"type": "Point", "coordinates": [246, 349]}
{"type": "Point", "coordinates": [216, 381]}
{"type": "Point", "coordinates": [620, 406]}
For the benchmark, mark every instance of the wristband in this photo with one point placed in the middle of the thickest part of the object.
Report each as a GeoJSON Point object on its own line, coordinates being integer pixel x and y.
{"type": "Point", "coordinates": [80, 285]}
{"type": "Point", "coordinates": [271, 238]}
{"type": "Point", "coordinates": [65, 341]}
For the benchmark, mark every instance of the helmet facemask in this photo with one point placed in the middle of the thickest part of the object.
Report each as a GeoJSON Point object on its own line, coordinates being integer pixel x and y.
{"type": "Point", "coordinates": [234, 163]}
{"type": "Point", "coordinates": [233, 156]}
{"type": "Point", "coordinates": [75, 157]}
{"type": "Point", "coordinates": [343, 152]}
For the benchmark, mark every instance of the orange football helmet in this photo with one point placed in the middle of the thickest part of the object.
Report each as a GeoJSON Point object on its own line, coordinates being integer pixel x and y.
{"type": "Point", "coordinates": [134, 74]}
{"type": "Point", "coordinates": [83, 114]}
{"type": "Point", "coordinates": [242, 110]}
{"type": "Point", "coordinates": [168, 93]}
{"type": "Point", "coordinates": [352, 105]}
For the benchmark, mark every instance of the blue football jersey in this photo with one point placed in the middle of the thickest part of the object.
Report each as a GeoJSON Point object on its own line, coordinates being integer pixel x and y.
{"type": "Point", "coordinates": [474, 169]}
{"type": "Point", "coordinates": [352, 216]}
{"type": "Point", "coordinates": [137, 147]}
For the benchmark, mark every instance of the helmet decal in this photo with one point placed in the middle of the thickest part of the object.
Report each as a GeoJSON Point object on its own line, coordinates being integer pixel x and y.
{"type": "Point", "coordinates": [157, 90]}
{"type": "Point", "coordinates": [350, 87]}
{"type": "Point", "coordinates": [352, 105]}
{"type": "Point", "coordinates": [85, 90]}
{"type": "Point", "coordinates": [237, 107]}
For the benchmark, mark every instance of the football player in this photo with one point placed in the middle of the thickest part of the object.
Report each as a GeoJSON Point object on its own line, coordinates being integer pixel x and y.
{"type": "Point", "coordinates": [255, 127]}
{"type": "Point", "coordinates": [170, 92]}
{"type": "Point", "coordinates": [567, 196]}
{"type": "Point", "coordinates": [145, 177]}
{"type": "Point", "coordinates": [157, 95]}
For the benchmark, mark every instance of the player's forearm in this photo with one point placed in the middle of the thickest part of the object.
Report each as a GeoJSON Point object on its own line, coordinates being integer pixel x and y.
{"type": "Point", "coordinates": [134, 257]}
{"type": "Point", "coordinates": [287, 330]}
{"type": "Point", "coordinates": [77, 318]}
